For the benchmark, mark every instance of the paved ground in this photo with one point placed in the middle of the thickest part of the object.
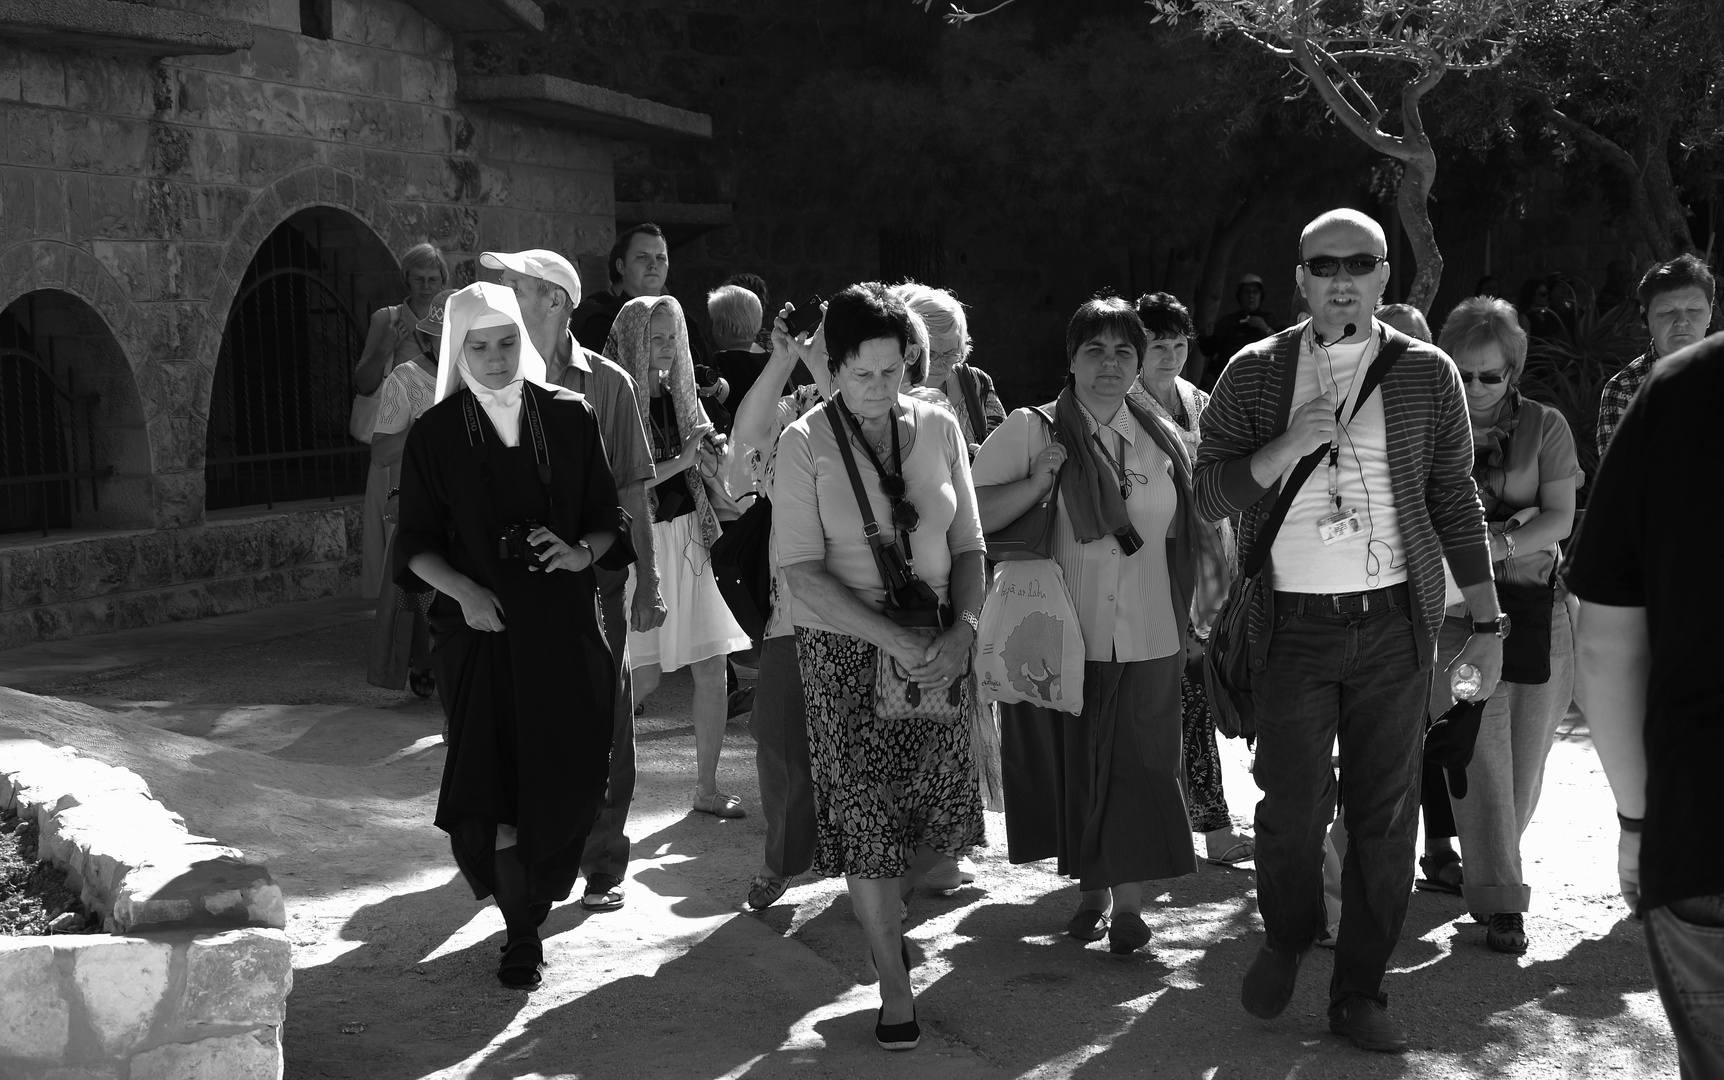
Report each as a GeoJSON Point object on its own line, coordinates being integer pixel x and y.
{"type": "Point", "coordinates": [261, 730]}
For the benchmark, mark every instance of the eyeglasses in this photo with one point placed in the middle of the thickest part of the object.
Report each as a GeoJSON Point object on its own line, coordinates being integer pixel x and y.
{"type": "Point", "coordinates": [1328, 265]}
{"type": "Point", "coordinates": [1489, 378]}
{"type": "Point", "coordinates": [904, 513]}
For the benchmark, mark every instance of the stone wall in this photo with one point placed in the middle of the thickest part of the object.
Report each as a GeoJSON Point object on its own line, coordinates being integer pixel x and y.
{"type": "Point", "coordinates": [191, 981]}
{"type": "Point", "coordinates": [120, 580]}
{"type": "Point", "coordinates": [143, 188]}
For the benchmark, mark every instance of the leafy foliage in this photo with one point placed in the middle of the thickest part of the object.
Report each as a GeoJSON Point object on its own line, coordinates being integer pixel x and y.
{"type": "Point", "coordinates": [1569, 372]}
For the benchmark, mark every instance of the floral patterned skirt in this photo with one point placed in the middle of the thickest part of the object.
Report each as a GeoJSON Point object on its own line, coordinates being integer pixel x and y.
{"type": "Point", "coordinates": [881, 787]}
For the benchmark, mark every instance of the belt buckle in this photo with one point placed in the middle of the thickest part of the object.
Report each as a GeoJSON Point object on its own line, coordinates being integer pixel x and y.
{"type": "Point", "coordinates": [1351, 603]}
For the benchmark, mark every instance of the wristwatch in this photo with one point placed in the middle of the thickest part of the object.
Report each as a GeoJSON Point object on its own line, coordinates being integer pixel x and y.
{"type": "Point", "coordinates": [1498, 626]}
{"type": "Point", "coordinates": [973, 619]}
{"type": "Point", "coordinates": [591, 558]}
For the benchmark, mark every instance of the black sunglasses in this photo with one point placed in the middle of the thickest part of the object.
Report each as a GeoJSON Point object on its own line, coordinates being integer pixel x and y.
{"type": "Point", "coordinates": [1327, 265]}
{"type": "Point", "coordinates": [904, 512]}
{"type": "Point", "coordinates": [1489, 378]}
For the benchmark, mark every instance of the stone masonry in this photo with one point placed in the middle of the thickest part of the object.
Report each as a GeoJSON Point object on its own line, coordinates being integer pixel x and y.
{"type": "Point", "coordinates": [190, 982]}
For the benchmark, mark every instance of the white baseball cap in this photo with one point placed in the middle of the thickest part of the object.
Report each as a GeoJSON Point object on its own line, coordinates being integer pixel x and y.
{"type": "Point", "coordinates": [539, 263]}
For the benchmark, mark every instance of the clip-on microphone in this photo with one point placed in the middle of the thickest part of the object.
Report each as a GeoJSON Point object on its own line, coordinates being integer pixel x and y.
{"type": "Point", "coordinates": [1346, 332]}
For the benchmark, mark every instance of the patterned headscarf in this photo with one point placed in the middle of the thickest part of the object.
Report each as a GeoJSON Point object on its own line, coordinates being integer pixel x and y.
{"type": "Point", "coordinates": [630, 346]}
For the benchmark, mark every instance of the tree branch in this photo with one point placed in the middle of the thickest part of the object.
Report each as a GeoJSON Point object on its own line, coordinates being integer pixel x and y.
{"type": "Point", "coordinates": [1310, 57]}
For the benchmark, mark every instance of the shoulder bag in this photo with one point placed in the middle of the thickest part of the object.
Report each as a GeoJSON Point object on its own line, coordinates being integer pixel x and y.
{"type": "Point", "coordinates": [742, 566]}
{"type": "Point", "coordinates": [1031, 536]}
{"type": "Point", "coordinates": [910, 602]}
{"type": "Point", "coordinates": [1233, 658]}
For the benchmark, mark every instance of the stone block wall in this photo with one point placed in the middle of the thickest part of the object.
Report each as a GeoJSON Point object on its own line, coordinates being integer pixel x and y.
{"type": "Point", "coordinates": [191, 981]}
{"type": "Point", "coordinates": [59, 588]}
{"type": "Point", "coordinates": [142, 188]}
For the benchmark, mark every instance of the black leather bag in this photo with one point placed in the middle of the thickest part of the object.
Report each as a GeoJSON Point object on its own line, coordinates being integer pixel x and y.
{"type": "Point", "coordinates": [1526, 650]}
{"type": "Point", "coordinates": [1031, 536]}
{"type": "Point", "coordinates": [742, 565]}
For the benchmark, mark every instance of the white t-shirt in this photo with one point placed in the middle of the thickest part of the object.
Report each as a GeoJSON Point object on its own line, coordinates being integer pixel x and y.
{"type": "Point", "coordinates": [1374, 556]}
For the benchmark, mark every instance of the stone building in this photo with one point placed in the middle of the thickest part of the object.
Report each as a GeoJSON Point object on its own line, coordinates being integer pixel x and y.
{"type": "Point", "coordinates": [201, 202]}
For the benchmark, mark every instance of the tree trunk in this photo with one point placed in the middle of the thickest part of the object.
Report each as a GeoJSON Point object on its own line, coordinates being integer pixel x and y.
{"type": "Point", "coordinates": [1414, 196]}
{"type": "Point", "coordinates": [1670, 233]}
{"type": "Point", "coordinates": [1212, 280]}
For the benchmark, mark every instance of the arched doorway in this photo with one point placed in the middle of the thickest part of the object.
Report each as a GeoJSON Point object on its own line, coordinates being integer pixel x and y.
{"type": "Point", "coordinates": [283, 384]}
{"type": "Point", "coordinates": [73, 449]}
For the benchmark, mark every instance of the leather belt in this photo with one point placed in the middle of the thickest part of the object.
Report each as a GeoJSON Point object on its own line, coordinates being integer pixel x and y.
{"type": "Point", "coordinates": [1343, 604]}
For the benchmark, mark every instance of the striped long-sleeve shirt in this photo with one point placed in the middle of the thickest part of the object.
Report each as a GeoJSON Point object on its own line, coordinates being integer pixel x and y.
{"type": "Point", "coordinates": [1430, 465]}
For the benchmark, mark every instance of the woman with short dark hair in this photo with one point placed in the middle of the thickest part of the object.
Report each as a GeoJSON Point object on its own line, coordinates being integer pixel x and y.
{"type": "Point", "coordinates": [1102, 790]}
{"type": "Point", "coordinates": [891, 795]}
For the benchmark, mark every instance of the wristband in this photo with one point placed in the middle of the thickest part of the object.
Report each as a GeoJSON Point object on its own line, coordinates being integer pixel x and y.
{"type": "Point", "coordinates": [1630, 824]}
{"type": "Point", "coordinates": [973, 619]}
{"type": "Point", "coordinates": [1508, 542]}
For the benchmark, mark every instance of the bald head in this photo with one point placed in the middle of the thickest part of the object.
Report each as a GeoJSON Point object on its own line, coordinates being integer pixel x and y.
{"type": "Point", "coordinates": [1344, 219]}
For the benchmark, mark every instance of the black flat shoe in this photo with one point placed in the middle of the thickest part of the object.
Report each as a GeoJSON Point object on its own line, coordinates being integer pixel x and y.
{"type": "Point", "coordinates": [522, 958]}
{"type": "Point", "coordinates": [905, 1036]}
{"type": "Point", "coordinates": [1087, 925]}
{"type": "Point", "coordinates": [1269, 982]}
{"type": "Point", "coordinates": [1128, 933]}
{"type": "Point", "coordinates": [1368, 1025]}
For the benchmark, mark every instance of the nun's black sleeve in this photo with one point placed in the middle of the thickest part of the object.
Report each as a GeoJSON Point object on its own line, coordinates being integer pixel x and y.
{"type": "Point", "coordinates": [423, 507]}
{"type": "Point", "coordinates": [602, 510]}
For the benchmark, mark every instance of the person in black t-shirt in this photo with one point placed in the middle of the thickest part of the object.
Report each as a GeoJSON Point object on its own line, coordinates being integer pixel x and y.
{"type": "Point", "coordinates": [1648, 645]}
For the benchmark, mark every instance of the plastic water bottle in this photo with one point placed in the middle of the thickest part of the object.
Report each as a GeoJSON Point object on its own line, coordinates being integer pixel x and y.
{"type": "Point", "coordinates": [1467, 682]}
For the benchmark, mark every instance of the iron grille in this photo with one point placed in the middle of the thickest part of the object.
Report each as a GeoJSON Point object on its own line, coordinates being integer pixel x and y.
{"type": "Point", "coordinates": [284, 386]}
{"type": "Point", "coordinates": [46, 452]}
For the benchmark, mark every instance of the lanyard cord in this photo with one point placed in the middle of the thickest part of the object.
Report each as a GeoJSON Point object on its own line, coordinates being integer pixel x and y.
{"type": "Point", "coordinates": [1118, 465]}
{"type": "Point", "coordinates": [897, 465]}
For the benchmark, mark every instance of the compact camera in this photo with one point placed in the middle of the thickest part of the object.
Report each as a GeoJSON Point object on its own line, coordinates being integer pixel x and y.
{"type": "Point", "coordinates": [512, 543]}
{"type": "Point", "coordinates": [910, 601]}
{"type": "Point", "coordinates": [1129, 541]}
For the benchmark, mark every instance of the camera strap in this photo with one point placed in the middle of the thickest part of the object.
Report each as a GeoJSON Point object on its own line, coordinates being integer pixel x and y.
{"type": "Point", "coordinates": [535, 426]}
{"type": "Point", "coordinates": [890, 574]}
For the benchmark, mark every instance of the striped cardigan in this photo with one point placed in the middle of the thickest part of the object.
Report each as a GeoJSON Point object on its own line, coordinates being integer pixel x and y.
{"type": "Point", "coordinates": [1430, 465]}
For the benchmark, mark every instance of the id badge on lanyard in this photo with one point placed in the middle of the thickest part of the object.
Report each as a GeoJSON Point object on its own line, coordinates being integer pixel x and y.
{"type": "Point", "coordinates": [1343, 521]}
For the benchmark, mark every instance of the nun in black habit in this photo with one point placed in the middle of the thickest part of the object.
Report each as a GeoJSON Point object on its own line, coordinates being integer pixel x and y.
{"type": "Point", "coordinates": [506, 504]}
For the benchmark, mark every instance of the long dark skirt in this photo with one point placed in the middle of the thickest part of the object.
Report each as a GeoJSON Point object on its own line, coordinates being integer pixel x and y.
{"type": "Point", "coordinates": [882, 788]}
{"type": "Point", "coordinates": [1101, 791]}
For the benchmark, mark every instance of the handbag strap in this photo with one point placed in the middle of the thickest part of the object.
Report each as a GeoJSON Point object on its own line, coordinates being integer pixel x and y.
{"type": "Point", "coordinates": [969, 384]}
{"type": "Point", "coordinates": [1394, 345]}
{"type": "Point", "coordinates": [870, 526]}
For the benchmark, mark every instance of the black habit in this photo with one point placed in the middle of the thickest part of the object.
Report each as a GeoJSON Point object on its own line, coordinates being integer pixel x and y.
{"type": "Point", "coordinates": [530, 707]}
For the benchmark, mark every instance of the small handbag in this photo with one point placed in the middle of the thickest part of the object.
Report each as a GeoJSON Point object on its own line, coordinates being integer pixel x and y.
{"type": "Point", "coordinates": [910, 603]}
{"type": "Point", "coordinates": [362, 421]}
{"type": "Point", "coordinates": [742, 566]}
{"type": "Point", "coordinates": [1031, 536]}
{"type": "Point", "coordinates": [1526, 650]}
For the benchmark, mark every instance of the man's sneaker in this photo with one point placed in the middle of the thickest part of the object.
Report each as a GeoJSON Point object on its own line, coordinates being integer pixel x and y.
{"type": "Point", "coordinates": [1368, 1024]}
{"type": "Point", "coordinates": [1269, 982]}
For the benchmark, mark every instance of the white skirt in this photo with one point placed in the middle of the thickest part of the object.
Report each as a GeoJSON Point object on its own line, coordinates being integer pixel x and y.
{"type": "Point", "coordinates": [698, 622]}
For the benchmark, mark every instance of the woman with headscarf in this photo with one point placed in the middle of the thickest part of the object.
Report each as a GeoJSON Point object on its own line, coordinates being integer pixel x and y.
{"type": "Point", "coordinates": [506, 504]}
{"type": "Point", "coordinates": [649, 340]}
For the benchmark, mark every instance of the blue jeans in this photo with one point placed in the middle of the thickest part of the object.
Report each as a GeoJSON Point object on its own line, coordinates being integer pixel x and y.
{"type": "Point", "coordinates": [1685, 939]}
{"type": "Point", "coordinates": [1358, 676]}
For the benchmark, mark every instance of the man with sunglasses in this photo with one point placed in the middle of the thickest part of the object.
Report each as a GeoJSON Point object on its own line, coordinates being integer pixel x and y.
{"type": "Point", "coordinates": [1345, 643]}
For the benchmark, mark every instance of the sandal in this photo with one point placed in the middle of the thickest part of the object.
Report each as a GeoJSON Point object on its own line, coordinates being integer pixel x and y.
{"type": "Point", "coordinates": [1442, 873]}
{"type": "Point", "coordinates": [604, 893]}
{"type": "Point", "coordinates": [1242, 851]}
{"type": "Point", "coordinates": [1506, 933]}
{"type": "Point", "coordinates": [718, 804]}
{"type": "Point", "coordinates": [764, 891]}
{"type": "Point", "coordinates": [522, 958]}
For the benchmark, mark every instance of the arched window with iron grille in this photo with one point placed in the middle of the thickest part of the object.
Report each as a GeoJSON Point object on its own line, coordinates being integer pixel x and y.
{"type": "Point", "coordinates": [47, 472]}
{"type": "Point", "coordinates": [283, 384]}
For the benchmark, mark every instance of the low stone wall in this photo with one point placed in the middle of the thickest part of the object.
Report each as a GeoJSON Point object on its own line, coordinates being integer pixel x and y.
{"type": "Point", "coordinates": [190, 981]}
{"type": "Point", "coordinates": [56, 588]}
